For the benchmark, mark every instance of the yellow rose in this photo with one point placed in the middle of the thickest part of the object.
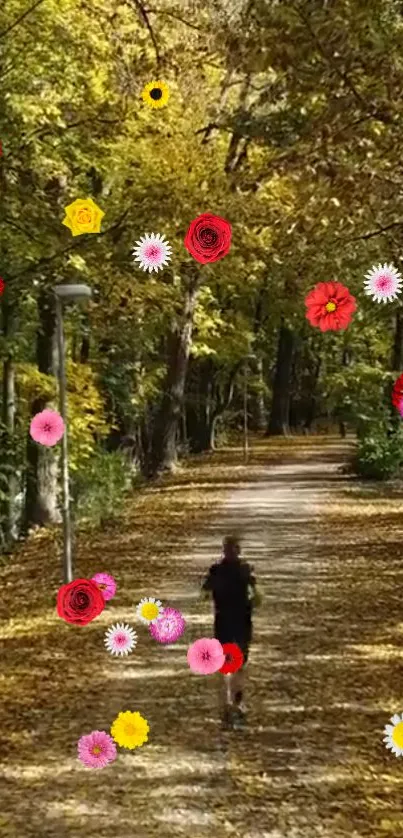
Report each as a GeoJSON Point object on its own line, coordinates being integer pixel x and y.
{"type": "Point", "coordinates": [83, 216]}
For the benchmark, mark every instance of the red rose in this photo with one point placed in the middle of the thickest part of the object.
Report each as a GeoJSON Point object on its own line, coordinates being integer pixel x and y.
{"type": "Point", "coordinates": [79, 602]}
{"type": "Point", "coordinates": [2, 286]}
{"type": "Point", "coordinates": [233, 658]}
{"type": "Point", "coordinates": [208, 238]}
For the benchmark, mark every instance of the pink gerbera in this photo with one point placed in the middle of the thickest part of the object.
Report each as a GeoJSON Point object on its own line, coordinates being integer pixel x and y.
{"type": "Point", "coordinates": [106, 584]}
{"type": "Point", "coordinates": [205, 656]}
{"type": "Point", "coordinates": [97, 749]}
{"type": "Point", "coordinates": [47, 427]}
{"type": "Point", "coordinates": [169, 627]}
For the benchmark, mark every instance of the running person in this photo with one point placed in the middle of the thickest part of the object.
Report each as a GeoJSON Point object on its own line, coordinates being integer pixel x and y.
{"type": "Point", "coordinates": [233, 588]}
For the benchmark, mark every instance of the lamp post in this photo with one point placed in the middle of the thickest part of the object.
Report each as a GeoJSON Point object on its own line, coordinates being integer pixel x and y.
{"type": "Point", "coordinates": [64, 294]}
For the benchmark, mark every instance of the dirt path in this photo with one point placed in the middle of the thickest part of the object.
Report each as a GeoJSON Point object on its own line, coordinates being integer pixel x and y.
{"type": "Point", "coordinates": [320, 686]}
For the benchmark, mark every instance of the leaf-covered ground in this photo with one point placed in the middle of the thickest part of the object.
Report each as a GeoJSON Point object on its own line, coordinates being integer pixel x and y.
{"type": "Point", "coordinates": [324, 675]}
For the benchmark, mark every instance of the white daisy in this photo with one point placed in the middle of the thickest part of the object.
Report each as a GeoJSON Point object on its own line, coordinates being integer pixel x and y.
{"type": "Point", "coordinates": [153, 252]}
{"type": "Point", "coordinates": [149, 609]}
{"type": "Point", "coordinates": [120, 639]}
{"type": "Point", "coordinates": [394, 735]}
{"type": "Point", "coordinates": [383, 283]}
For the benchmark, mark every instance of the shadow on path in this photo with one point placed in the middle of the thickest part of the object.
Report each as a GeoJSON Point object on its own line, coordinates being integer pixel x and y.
{"type": "Point", "coordinates": [324, 674]}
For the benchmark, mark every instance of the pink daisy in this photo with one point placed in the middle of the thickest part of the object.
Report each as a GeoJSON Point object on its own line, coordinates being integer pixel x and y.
{"type": "Point", "coordinates": [152, 252]}
{"type": "Point", "coordinates": [106, 584]}
{"type": "Point", "coordinates": [97, 749]}
{"type": "Point", "coordinates": [120, 639]}
{"type": "Point", "coordinates": [169, 627]}
{"type": "Point", "coordinates": [383, 283]}
{"type": "Point", "coordinates": [47, 427]}
{"type": "Point", "coordinates": [206, 656]}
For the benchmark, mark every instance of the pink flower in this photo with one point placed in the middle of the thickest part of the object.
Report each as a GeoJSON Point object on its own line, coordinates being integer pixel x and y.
{"type": "Point", "coordinates": [169, 627]}
{"type": "Point", "coordinates": [106, 584]}
{"type": "Point", "coordinates": [205, 656]}
{"type": "Point", "coordinates": [47, 427]}
{"type": "Point", "coordinates": [97, 749]}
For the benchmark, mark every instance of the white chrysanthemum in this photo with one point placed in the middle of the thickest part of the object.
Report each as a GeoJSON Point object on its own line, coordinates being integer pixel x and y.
{"type": "Point", "coordinates": [152, 252]}
{"type": "Point", "coordinates": [120, 639]}
{"type": "Point", "coordinates": [394, 735]}
{"type": "Point", "coordinates": [149, 609]}
{"type": "Point", "coordinates": [383, 283]}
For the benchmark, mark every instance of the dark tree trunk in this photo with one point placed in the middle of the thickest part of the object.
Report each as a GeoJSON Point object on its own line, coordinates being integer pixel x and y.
{"type": "Point", "coordinates": [312, 399]}
{"type": "Point", "coordinates": [42, 463]}
{"type": "Point", "coordinates": [8, 459]}
{"type": "Point", "coordinates": [397, 352]}
{"type": "Point", "coordinates": [163, 448]}
{"type": "Point", "coordinates": [258, 407]}
{"type": "Point", "coordinates": [280, 408]}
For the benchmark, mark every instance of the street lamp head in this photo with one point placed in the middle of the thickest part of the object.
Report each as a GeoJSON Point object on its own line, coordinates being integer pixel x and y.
{"type": "Point", "coordinates": [73, 293]}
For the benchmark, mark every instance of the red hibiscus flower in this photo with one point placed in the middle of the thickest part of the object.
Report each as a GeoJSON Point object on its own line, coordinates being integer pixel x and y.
{"type": "Point", "coordinates": [79, 602]}
{"type": "Point", "coordinates": [208, 238]}
{"type": "Point", "coordinates": [233, 658]}
{"type": "Point", "coordinates": [2, 285]}
{"type": "Point", "coordinates": [330, 306]}
{"type": "Point", "coordinates": [397, 394]}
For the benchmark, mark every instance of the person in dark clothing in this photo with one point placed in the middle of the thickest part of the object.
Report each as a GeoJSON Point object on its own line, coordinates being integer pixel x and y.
{"type": "Point", "coordinates": [232, 585]}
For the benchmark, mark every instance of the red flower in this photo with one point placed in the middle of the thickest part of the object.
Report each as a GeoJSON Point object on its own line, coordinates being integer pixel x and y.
{"type": "Point", "coordinates": [330, 306]}
{"type": "Point", "coordinates": [397, 394]}
{"type": "Point", "coordinates": [208, 238]}
{"type": "Point", "coordinates": [2, 285]}
{"type": "Point", "coordinates": [233, 658]}
{"type": "Point", "coordinates": [79, 602]}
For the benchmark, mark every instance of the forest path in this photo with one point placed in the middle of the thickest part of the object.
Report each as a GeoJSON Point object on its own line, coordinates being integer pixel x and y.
{"type": "Point", "coordinates": [324, 673]}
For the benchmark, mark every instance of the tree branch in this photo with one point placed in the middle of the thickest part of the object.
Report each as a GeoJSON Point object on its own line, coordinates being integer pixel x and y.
{"type": "Point", "coordinates": [21, 18]}
{"type": "Point", "coordinates": [46, 260]}
{"type": "Point", "coordinates": [175, 16]}
{"type": "Point", "coordinates": [342, 75]}
{"type": "Point", "coordinates": [143, 14]}
{"type": "Point", "coordinates": [373, 233]}
{"type": "Point", "coordinates": [21, 230]}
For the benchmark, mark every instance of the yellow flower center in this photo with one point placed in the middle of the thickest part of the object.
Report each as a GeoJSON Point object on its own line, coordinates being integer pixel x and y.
{"type": "Point", "coordinates": [150, 611]}
{"type": "Point", "coordinates": [330, 306]}
{"type": "Point", "coordinates": [130, 729]}
{"type": "Point", "coordinates": [397, 735]}
{"type": "Point", "coordinates": [96, 750]}
{"type": "Point", "coordinates": [83, 216]}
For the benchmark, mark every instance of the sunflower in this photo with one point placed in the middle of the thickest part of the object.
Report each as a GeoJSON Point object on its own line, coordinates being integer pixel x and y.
{"type": "Point", "coordinates": [130, 730]}
{"type": "Point", "coordinates": [156, 94]}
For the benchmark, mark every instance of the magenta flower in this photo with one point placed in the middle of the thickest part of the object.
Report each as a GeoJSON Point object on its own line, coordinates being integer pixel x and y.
{"type": "Point", "coordinates": [206, 656]}
{"type": "Point", "coordinates": [169, 627]}
{"type": "Point", "coordinates": [47, 427]}
{"type": "Point", "coordinates": [106, 584]}
{"type": "Point", "coordinates": [97, 749]}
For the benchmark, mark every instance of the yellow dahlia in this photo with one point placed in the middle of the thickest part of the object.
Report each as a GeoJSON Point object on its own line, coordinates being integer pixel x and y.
{"type": "Point", "coordinates": [130, 730]}
{"type": "Point", "coordinates": [156, 94]}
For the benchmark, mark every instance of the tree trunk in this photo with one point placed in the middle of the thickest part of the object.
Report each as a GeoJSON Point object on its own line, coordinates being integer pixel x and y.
{"type": "Point", "coordinates": [163, 454]}
{"type": "Point", "coordinates": [8, 464]}
{"type": "Point", "coordinates": [397, 352]}
{"type": "Point", "coordinates": [280, 408]}
{"type": "Point", "coordinates": [42, 463]}
{"type": "Point", "coordinates": [259, 418]}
